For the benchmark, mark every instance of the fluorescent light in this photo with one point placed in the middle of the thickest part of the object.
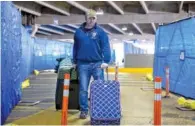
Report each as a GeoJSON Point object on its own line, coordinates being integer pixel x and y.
{"type": "Point", "coordinates": [131, 33]}
{"type": "Point", "coordinates": [99, 12]}
{"type": "Point", "coordinates": [124, 28]}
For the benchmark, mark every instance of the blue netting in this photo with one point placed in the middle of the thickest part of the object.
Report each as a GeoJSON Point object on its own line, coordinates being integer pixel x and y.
{"type": "Point", "coordinates": [171, 41]}
{"type": "Point", "coordinates": [10, 58]}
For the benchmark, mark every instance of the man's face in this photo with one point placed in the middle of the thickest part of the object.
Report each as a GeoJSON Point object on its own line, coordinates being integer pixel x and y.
{"type": "Point", "coordinates": [91, 21]}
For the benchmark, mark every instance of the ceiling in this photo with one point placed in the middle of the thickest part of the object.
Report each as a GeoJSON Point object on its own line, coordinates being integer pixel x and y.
{"type": "Point", "coordinates": [122, 20]}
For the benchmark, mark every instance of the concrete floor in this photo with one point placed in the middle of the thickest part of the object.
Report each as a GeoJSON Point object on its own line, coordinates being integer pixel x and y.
{"type": "Point", "coordinates": [136, 98]}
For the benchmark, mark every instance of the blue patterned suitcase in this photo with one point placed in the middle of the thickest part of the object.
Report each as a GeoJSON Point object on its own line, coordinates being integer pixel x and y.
{"type": "Point", "coordinates": [105, 107]}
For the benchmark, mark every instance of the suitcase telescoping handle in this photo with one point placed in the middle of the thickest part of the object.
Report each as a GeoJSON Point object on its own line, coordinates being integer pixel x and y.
{"type": "Point", "coordinates": [116, 72]}
{"type": "Point", "coordinates": [107, 72]}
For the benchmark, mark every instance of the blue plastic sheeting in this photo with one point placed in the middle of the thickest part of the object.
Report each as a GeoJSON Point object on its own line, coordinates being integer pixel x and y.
{"type": "Point", "coordinates": [175, 48]}
{"type": "Point", "coordinates": [0, 57]}
{"type": "Point", "coordinates": [20, 54]}
{"type": "Point", "coordinates": [46, 52]}
{"type": "Point", "coordinates": [113, 57]}
{"type": "Point", "coordinates": [129, 48]}
{"type": "Point", "coordinates": [10, 58]}
{"type": "Point", "coordinates": [27, 54]}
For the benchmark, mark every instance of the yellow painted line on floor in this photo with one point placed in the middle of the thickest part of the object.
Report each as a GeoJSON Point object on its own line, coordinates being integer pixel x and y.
{"type": "Point", "coordinates": [26, 107]}
{"type": "Point", "coordinates": [26, 110]}
{"type": "Point", "coordinates": [132, 70]}
{"type": "Point", "coordinates": [23, 118]}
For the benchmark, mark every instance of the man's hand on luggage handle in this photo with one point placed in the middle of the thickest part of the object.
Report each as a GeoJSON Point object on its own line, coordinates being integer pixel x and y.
{"type": "Point", "coordinates": [104, 65]}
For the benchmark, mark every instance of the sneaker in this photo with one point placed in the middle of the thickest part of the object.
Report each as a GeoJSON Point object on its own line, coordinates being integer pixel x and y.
{"type": "Point", "coordinates": [83, 115]}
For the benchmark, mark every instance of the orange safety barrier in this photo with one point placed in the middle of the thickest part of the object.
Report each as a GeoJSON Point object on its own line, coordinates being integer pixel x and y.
{"type": "Point", "coordinates": [65, 99]}
{"type": "Point", "coordinates": [157, 101]}
{"type": "Point", "coordinates": [167, 83]}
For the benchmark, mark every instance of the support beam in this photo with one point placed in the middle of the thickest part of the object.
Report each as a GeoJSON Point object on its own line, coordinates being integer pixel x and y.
{"type": "Point", "coordinates": [137, 28]}
{"type": "Point", "coordinates": [133, 37]}
{"type": "Point", "coordinates": [73, 26]}
{"type": "Point", "coordinates": [116, 28]}
{"type": "Point", "coordinates": [115, 19]}
{"type": "Point", "coordinates": [42, 32]}
{"type": "Point", "coordinates": [27, 10]}
{"type": "Point", "coordinates": [117, 8]}
{"type": "Point", "coordinates": [46, 4]}
{"type": "Point", "coordinates": [154, 27]}
{"type": "Point", "coordinates": [65, 40]}
{"type": "Point", "coordinates": [144, 6]}
{"type": "Point", "coordinates": [77, 5]}
{"type": "Point", "coordinates": [63, 28]}
{"type": "Point", "coordinates": [107, 31]}
{"type": "Point", "coordinates": [34, 29]}
{"type": "Point", "coordinates": [191, 10]}
{"type": "Point", "coordinates": [51, 30]}
{"type": "Point", "coordinates": [180, 6]}
{"type": "Point", "coordinates": [113, 36]}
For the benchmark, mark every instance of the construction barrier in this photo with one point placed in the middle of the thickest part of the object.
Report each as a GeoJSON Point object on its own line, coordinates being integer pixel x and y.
{"type": "Point", "coordinates": [167, 82]}
{"type": "Point", "coordinates": [157, 101]}
{"type": "Point", "coordinates": [65, 99]}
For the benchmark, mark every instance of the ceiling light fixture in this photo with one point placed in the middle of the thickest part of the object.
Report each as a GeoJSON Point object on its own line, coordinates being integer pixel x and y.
{"type": "Point", "coordinates": [124, 28]}
{"type": "Point", "coordinates": [99, 11]}
{"type": "Point", "coordinates": [131, 33]}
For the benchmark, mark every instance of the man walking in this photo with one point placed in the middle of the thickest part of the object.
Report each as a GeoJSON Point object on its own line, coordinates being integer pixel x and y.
{"type": "Point", "coordinates": [91, 53]}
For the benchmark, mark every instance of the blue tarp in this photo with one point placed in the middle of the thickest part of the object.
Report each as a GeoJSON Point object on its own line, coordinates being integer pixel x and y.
{"type": "Point", "coordinates": [46, 52]}
{"type": "Point", "coordinates": [172, 41]}
{"type": "Point", "coordinates": [11, 56]}
{"type": "Point", "coordinates": [20, 54]}
{"type": "Point", "coordinates": [113, 57]}
{"type": "Point", "coordinates": [27, 54]}
{"type": "Point", "coordinates": [129, 48]}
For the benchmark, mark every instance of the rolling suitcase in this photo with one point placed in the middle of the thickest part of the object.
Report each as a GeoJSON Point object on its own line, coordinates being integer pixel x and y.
{"type": "Point", "coordinates": [73, 101]}
{"type": "Point", "coordinates": [105, 107]}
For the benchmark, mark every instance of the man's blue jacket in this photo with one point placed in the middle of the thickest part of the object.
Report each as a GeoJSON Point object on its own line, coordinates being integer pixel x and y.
{"type": "Point", "coordinates": [91, 46]}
